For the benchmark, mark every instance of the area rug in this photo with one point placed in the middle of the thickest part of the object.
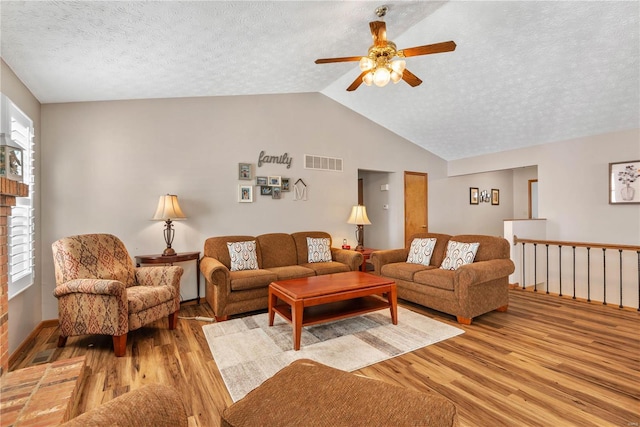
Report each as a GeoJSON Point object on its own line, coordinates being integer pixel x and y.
{"type": "Point", "coordinates": [248, 351]}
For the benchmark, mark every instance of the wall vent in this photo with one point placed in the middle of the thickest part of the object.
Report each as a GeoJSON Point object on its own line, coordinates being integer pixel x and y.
{"type": "Point", "coordinates": [322, 163]}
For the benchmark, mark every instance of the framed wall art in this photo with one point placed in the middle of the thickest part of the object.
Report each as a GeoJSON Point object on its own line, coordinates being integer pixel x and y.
{"type": "Point", "coordinates": [495, 196]}
{"type": "Point", "coordinates": [624, 182]}
{"type": "Point", "coordinates": [286, 184]}
{"type": "Point", "coordinates": [276, 192]}
{"type": "Point", "coordinates": [275, 181]}
{"type": "Point", "coordinates": [244, 171]}
{"type": "Point", "coordinates": [265, 190]}
{"type": "Point", "coordinates": [474, 196]}
{"type": "Point", "coordinates": [245, 193]}
{"type": "Point", "coordinates": [261, 180]}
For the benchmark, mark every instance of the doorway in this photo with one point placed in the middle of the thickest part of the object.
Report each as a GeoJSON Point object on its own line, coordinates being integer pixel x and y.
{"type": "Point", "coordinates": [533, 198]}
{"type": "Point", "coordinates": [415, 204]}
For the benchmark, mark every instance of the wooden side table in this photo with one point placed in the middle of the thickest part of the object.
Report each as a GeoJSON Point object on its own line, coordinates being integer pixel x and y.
{"type": "Point", "coordinates": [366, 254]}
{"type": "Point", "coordinates": [170, 259]}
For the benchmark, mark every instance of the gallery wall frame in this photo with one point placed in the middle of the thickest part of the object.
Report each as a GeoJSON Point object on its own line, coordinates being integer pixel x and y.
{"type": "Point", "coordinates": [474, 195]}
{"type": "Point", "coordinates": [244, 171]}
{"type": "Point", "coordinates": [624, 182]}
{"type": "Point", "coordinates": [495, 196]}
{"type": "Point", "coordinates": [245, 193]}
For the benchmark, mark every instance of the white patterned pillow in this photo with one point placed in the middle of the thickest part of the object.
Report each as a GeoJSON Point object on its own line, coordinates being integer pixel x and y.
{"type": "Point", "coordinates": [319, 249]}
{"type": "Point", "coordinates": [243, 255]}
{"type": "Point", "coordinates": [421, 250]}
{"type": "Point", "coordinates": [459, 254]}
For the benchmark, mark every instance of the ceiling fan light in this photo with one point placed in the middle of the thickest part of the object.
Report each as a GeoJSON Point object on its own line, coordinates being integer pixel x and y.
{"type": "Point", "coordinates": [396, 77]}
{"type": "Point", "coordinates": [381, 76]}
{"type": "Point", "coordinates": [368, 78]}
{"type": "Point", "coordinates": [366, 63]}
{"type": "Point", "coordinates": [398, 65]}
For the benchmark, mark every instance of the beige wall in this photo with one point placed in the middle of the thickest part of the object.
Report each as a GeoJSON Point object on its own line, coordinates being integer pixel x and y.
{"type": "Point", "coordinates": [107, 163]}
{"type": "Point", "coordinates": [24, 309]}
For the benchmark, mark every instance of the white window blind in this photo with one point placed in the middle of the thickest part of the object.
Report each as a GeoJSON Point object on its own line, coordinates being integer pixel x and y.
{"type": "Point", "coordinates": [21, 235]}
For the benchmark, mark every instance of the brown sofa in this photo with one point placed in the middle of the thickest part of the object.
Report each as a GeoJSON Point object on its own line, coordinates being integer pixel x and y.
{"type": "Point", "coordinates": [467, 292]}
{"type": "Point", "coordinates": [280, 256]}
{"type": "Point", "coordinates": [308, 393]}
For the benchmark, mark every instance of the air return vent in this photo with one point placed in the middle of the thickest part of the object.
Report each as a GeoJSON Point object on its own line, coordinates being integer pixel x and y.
{"type": "Point", "coordinates": [322, 163]}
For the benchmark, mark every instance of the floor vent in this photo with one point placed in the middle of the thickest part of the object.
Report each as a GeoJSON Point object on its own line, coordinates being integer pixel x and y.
{"type": "Point", "coordinates": [322, 163]}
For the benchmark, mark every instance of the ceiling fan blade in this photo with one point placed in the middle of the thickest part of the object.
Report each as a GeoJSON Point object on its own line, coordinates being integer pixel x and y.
{"type": "Point", "coordinates": [357, 82]}
{"type": "Point", "coordinates": [343, 59]}
{"type": "Point", "coordinates": [410, 78]}
{"type": "Point", "coordinates": [379, 33]}
{"type": "Point", "coordinates": [428, 49]}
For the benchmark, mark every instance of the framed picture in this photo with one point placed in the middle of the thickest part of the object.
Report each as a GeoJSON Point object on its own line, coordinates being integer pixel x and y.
{"type": "Point", "coordinates": [244, 171]}
{"type": "Point", "coordinates": [265, 190]}
{"type": "Point", "coordinates": [474, 196]}
{"type": "Point", "coordinates": [275, 181]}
{"type": "Point", "coordinates": [286, 186]}
{"type": "Point", "coordinates": [495, 196]}
{"type": "Point", "coordinates": [245, 193]}
{"type": "Point", "coordinates": [261, 180]}
{"type": "Point", "coordinates": [624, 182]}
{"type": "Point", "coordinates": [276, 192]}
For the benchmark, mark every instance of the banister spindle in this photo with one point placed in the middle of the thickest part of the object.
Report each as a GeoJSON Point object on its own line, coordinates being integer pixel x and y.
{"type": "Point", "coordinates": [588, 274]}
{"type": "Point", "coordinates": [547, 268]}
{"type": "Point", "coordinates": [523, 276]}
{"type": "Point", "coordinates": [574, 272]}
{"type": "Point", "coordinates": [560, 267]}
{"type": "Point", "coordinates": [620, 251]}
{"type": "Point", "coordinates": [604, 276]}
{"type": "Point", "coordinates": [535, 267]}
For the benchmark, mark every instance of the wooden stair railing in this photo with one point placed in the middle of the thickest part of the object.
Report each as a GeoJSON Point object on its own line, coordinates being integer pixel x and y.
{"type": "Point", "coordinates": [588, 246]}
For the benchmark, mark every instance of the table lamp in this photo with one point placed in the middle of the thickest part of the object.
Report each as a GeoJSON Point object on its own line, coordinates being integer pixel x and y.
{"type": "Point", "coordinates": [168, 210]}
{"type": "Point", "coordinates": [359, 217]}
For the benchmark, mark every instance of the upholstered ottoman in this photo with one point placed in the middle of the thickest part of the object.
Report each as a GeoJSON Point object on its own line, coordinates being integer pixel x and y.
{"type": "Point", "coordinates": [307, 393]}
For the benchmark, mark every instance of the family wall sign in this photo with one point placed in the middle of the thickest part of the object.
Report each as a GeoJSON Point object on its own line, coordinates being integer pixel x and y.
{"type": "Point", "coordinates": [281, 159]}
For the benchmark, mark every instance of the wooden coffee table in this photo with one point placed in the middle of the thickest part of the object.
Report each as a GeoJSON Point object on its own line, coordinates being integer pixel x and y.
{"type": "Point", "coordinates": [319, 299]}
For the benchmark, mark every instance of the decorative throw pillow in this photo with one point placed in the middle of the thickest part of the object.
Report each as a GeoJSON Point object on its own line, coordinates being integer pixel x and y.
{"type": "Point", "coordinates": [319, 249]}
{"type": "Point", "coordinates": [459, 254]}
{"type": "Point", "coordinates": [421, 250]}
{"type": "Point", "coordinates": [243, 255]}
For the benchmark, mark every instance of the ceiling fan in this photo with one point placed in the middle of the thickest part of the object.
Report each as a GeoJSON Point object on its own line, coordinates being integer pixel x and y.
{"type": "Point", "coordinates": [379, 66]}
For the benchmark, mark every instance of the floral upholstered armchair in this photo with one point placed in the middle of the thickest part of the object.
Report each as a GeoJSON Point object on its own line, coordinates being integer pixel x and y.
{"type": "Point", "coordinates": [100, 291]}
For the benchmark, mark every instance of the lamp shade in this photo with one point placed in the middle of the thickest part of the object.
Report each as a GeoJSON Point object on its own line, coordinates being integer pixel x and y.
{"type": "Point", "coordinates": [168, 209]}
{"type": "Point", "coordinates": [359, 216]}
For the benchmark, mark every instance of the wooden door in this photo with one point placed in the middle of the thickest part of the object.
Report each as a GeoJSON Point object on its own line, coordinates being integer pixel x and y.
{"type": "Point", "coordinates": [415, 203]}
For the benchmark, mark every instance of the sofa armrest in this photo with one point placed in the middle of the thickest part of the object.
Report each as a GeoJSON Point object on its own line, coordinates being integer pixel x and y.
{"type": "Point", "coordinates": [388, 256]}
{"type": "Point", "coordinates": [152, 405]}
{"type": "Point", "coordinates": [351, 258]}
{"type": "Point", "coordinates": [484, 271]}
{"type": "Point", "coordinates": [91, 286]}
{"type": "Point", "coordinates": [214, 271]}
{"type": "Point", "coordinates": [159, 276]}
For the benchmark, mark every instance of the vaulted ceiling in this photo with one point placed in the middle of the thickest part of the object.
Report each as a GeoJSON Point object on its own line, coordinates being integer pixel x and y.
{"type": "Point", "coordinates": [523, 72]}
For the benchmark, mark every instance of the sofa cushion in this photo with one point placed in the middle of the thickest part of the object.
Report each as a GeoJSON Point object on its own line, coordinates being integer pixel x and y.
{"type": "Point", "coordinates": [421, 250]}
{"type": "Point", "coordinates": [331, 267]}
{"type": "Point", "coordinates": [251, 279]}
{"type": "Point", "coordinates": [459, 254]}
{"type": "Point", "coordinates": [402, 270]}
{"type": "Point", "coordinates": [216, 247]}
{"type": "Point", "coordinates": [300, 239]}
{"type": "Point", "coordinates": [142, 297]}
{"type": "Point", "coordinates": [277, 250]}
{"type": "Point", "coordinates": [491, 247]}
{"type": "Point", "coordinates": [319, 249]}
{"type": "Point", "coordinates": [292, 272]}
{"type": "Point", "coordinates": [436, 277]}
{"type": "Point", "coordinates": [439, 249]}
{"type": "Point", "coordinates": [243, 255]}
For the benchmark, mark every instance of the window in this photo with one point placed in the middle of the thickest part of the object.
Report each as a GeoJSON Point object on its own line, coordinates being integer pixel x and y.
{"type": "Point", "coordinates": [21, 235]}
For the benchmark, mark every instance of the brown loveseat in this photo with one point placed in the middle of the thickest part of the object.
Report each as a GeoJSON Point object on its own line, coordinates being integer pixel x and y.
{"type": "Point", "coordinates": [280, 256]}
{"type": "Point", "coordinates": [467, 292]}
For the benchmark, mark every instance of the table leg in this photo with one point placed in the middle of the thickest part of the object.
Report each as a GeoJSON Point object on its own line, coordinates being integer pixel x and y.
{"type": "Point", "coordinates": [272, 302]}
{"type": "Point", "coordinates": [392, 297]}
{"type": "Point", "coordinates": [296, 318]}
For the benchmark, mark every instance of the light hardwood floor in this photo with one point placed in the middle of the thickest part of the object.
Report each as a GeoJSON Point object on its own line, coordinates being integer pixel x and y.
{"type": "Point", "coordinates": [548, 361]}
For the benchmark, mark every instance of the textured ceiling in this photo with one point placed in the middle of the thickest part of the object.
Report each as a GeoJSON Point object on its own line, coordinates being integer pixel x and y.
{"type": "Point", "coordinates": [523, 73]}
